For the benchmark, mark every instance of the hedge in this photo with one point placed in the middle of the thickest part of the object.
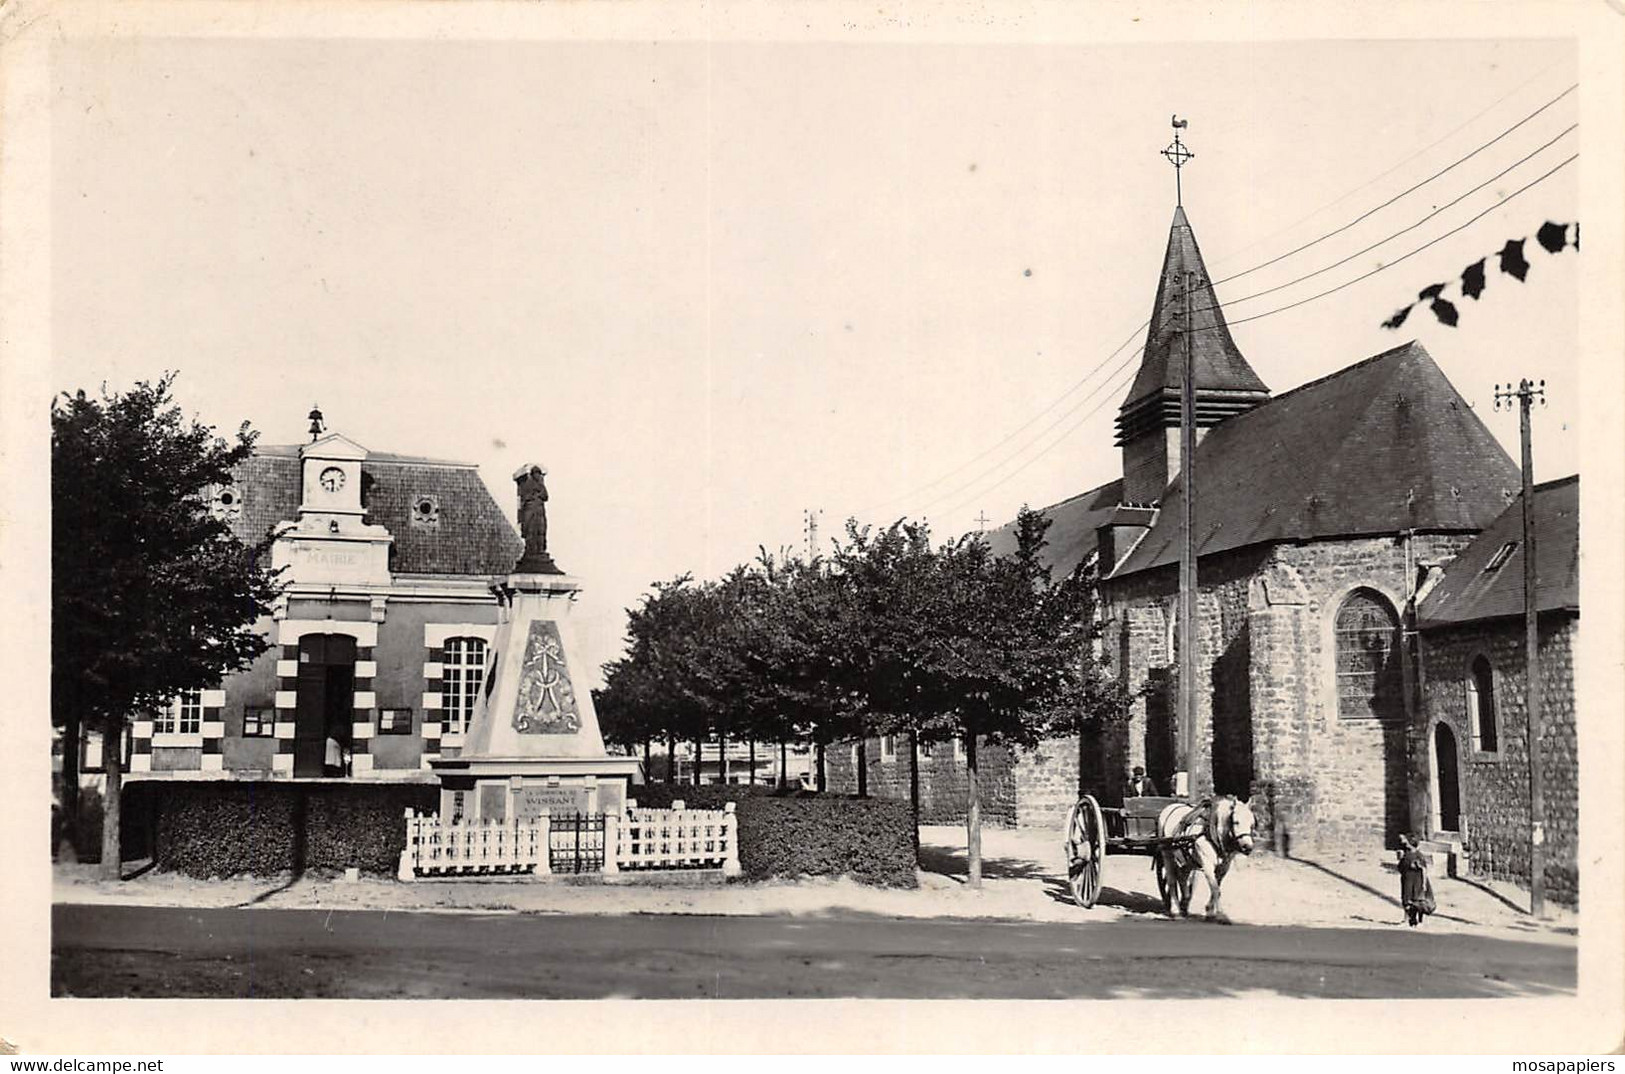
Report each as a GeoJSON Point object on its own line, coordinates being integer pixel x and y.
{"type": "Point", "coordinates": [219, 829]}
{"type": "Point", "coordinates": [263, 829]}
{"type": "Point", "coordinates": [793, 833]}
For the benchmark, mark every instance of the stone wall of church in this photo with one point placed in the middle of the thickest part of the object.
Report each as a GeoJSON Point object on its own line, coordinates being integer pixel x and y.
{"type": "Point", "coordinates": [1267, 723]}
{"type": "Point", "coordinates": [1494, 786]}
{"type": "Point", "coordinates": [1045, 781]}
{"type": "Point", "coordinates": [1329, 785]}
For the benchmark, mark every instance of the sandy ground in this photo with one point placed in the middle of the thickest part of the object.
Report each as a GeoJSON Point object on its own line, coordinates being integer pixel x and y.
{"type": "Point", "coordinates": [1024, 880]}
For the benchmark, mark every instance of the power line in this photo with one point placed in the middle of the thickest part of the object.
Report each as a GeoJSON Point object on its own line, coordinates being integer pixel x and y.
{"type": "Point", "coordinates": [991, 469]}
{"type": "Point", "coordinates": [1403, 193]}
{"type": "Point", "coordinates": [1447, 205]}
{"type": "Point", "coordinates": [1413, 253]}
{"type": "Point", "coordinates": [1095, 369]}
{"type": "Point", "coordinates": [1391, 169]}
{"type": "Point", "coordinates": [1259, 316]}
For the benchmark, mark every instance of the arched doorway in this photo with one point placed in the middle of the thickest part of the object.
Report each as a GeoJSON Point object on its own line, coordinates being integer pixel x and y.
{"type": "Point", "coordinates": [1446, 781]}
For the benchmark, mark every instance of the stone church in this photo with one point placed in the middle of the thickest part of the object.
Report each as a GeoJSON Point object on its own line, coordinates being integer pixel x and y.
{"type": "Point", "coordinates": [1321, 513]}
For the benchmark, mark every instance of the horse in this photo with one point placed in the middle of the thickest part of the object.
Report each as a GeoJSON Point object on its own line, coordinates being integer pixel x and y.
{"type": "Point", "coordinates": [1223, 826]}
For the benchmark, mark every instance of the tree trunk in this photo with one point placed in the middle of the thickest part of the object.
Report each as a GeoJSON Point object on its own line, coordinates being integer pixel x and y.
{"type": "Point", "coordinates": [822, 782]}
{"type": "Point", "coordinates": [646, 758]}
{"type": "Point", "coordinates": [722, 757]}
{"type": "Point", "coordinates": [973, 816]}
{"type": "Point", "coordinates": [67, 848]}
{"type": "Point", "coordinates": [113, 760]}
{"type": "Point", "coordinates": [753, 762]}
{"type": "Point", "coordinates": [699, 758]}
{"type": "Point", "coordinates": [863, 767]}
{"type": "Point", "coordinates": [671, 758]}
{"type": "Point", "coordinates": [784, 765]}
{"type": "Point", "coordinates": [914, 786]}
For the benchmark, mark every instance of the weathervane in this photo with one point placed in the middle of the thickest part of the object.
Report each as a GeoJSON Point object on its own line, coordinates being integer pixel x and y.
{"type": "Point", "coordinates": [1177, 155]}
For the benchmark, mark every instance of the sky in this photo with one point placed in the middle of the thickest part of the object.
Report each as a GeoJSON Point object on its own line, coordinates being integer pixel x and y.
{"type": "Point", "coordinates": [712, 286]}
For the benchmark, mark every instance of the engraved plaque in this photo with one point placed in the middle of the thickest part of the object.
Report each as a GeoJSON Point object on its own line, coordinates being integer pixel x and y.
{"type": "Point", "coordinates": [530, 801]}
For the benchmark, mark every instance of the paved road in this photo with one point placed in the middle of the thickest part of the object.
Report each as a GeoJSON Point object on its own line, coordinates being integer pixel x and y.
{"type": "Point", "coordinates": [147, 951]}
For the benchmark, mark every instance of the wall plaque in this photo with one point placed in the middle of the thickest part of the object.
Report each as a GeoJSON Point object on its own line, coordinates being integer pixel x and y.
{"type": "Point", "coordinates": [530, 801]}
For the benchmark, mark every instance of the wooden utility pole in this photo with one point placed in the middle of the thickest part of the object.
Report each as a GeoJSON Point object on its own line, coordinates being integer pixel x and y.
{"type": "Point", "coordinates": [1525, 394]}
{"type": "Point", "coordinates": [1187, 560]}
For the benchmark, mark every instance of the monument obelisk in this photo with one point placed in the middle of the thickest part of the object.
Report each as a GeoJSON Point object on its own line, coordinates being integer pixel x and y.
{"type": "Point", "coordinates": [534, 742]}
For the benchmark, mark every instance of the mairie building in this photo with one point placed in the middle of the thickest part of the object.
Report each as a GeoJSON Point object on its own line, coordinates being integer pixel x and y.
{"type": "Point", "coordinates": [379, 641]}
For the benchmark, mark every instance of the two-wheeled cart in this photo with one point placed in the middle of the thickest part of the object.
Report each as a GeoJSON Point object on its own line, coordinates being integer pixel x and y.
{"type": "Point", "coordinates": [1092, 832]}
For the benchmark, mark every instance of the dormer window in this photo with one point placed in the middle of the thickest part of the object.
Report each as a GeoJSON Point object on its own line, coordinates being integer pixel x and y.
{"type": "Point", "coordinates": [1502, 554]}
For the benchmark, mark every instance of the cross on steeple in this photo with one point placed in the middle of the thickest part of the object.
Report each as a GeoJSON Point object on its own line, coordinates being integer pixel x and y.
{"type": "Point", "coordinates": [1177, 155]}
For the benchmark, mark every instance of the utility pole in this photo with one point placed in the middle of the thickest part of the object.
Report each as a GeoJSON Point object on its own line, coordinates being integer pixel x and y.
{"type": "Point", "coordinates": [1179, 155]}
{"type": "Point", "coordinates": [1526, 393]}
{"type": "Point", "coordinates": [1187, 559]}
{"type": "Point", "coordinates": [981, 522]}
{"type": "Point", "coordinates": [812, 514]}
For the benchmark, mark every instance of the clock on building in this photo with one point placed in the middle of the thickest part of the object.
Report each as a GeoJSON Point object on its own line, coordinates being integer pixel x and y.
{"type": "Point", "coordinates": [332, 479]}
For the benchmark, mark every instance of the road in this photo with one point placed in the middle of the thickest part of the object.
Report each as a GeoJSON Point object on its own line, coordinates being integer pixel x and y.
{"type": "Point", "coordinates": [244, 953]}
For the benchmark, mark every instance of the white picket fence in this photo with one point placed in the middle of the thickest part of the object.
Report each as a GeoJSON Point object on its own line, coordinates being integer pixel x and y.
{"type": "Point", "coordinates": [637, 840]}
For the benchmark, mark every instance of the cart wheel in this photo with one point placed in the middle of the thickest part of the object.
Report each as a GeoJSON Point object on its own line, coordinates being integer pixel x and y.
{"type": "Point", "coordinates": [1085, 851]}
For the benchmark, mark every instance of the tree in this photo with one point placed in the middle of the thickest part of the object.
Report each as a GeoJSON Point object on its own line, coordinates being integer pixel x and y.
{"type": "Point", "coordinates": [150, 594]}
{"type": "Point", "coordinates": [1016, 653]}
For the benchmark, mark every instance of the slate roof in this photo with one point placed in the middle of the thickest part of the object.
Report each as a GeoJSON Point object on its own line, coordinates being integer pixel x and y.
{"type": "Point", "coordinates": [1071, 536]}
{"type": "Point", "coordinates": [1218, 362]}
{"type": "Point", "coordinates": [472, 537]}
{"type": "Point", "coordinates": [1470, 591]}
{"type": "Point", "coordinates": [1382, 446]}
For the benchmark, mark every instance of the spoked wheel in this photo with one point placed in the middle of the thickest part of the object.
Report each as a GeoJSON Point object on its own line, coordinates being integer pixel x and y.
{"type": "Point", "coordinates": [1085, 851]}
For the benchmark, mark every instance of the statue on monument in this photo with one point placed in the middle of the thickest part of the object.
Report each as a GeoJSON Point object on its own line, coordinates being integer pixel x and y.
{"type": "Point", "coordinates": [531, 481]}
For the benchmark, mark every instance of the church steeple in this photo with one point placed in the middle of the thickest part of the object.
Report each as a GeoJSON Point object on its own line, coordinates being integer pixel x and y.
{"type": "Point", "coordinates": [1148, 421]}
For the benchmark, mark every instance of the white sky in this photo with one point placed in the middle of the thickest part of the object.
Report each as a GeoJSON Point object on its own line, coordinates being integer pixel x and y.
{"type": "Point", "coordinates": [712, 285]}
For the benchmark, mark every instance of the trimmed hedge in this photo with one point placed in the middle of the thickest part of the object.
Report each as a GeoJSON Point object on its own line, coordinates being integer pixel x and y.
{"type": "Point", "coordinates": [263, 829]}
{"type": "Point", "coordinates": [219, 829]}
{"type": "Point", "coordinates": [795, 833]}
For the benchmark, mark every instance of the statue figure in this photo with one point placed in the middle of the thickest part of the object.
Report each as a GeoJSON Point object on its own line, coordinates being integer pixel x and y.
{"type": "Point", "coordinates": [532, 486]}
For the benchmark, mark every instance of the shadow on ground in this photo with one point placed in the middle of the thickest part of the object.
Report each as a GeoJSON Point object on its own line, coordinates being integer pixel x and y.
{"type": "Point", "coordinates": [954, 866]}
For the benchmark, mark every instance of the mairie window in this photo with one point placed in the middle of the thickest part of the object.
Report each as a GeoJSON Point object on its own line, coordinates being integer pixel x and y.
{"type": "Point", "coordinates": [462, 672]}
{"type": "Point", "coordinates": [183, 716]}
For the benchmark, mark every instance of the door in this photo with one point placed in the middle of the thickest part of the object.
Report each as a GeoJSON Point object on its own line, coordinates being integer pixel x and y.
{"type": "Point", "coordinates": [1448, 779]}
{"type": "Point", "coordinates": [325, 702]}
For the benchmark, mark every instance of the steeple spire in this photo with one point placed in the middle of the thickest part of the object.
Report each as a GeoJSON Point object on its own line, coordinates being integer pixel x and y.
{"type": "Point", "coordinates": [1225, 384]}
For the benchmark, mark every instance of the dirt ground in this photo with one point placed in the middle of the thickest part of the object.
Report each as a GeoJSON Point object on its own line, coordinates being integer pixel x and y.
{"type": "Point", "coordinates": [1024, 880]}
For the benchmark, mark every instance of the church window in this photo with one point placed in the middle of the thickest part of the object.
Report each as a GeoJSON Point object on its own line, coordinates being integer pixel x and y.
{"type": "Point", "coordinates": [1481, 705]}
{"type": "Point", "coordinates": [1368, 671]}
{"type": "Point", "coordinates": [462, 671]}
{"type": "Point", "coordinates": [183, 716]}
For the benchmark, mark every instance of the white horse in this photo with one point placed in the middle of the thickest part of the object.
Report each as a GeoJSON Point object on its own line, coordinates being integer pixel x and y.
{"type": "Point", "coordinates": [1223, 826]}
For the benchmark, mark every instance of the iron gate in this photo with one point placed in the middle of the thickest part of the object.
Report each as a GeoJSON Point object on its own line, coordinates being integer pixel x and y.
{"type": "Point", "coordinates": [575, 843]}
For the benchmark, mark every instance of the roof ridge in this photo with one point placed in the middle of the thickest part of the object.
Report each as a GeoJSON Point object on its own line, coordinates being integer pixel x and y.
{"type": "Point", "coordinates": [1334, 374]}
{"type": "Point", "coordinates": [1554, 482]}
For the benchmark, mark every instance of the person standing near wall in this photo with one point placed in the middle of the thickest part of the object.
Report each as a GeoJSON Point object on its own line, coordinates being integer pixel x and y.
{"type": "Point", "coordinates": [1415, 889]}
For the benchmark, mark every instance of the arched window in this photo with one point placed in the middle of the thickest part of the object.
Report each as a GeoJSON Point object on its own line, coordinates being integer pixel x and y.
{"type": "Point", "coordinates": [462, 671]}
{"type": "Point", "coordinates": [1481, 704]}
{"type": "Point", "coordinates": [1369, 685]}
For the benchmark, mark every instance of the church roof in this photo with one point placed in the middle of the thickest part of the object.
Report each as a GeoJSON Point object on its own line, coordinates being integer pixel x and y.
{"type": "Point", "coordinates": [471, 537]}
{"type": "Point", "coordinates": [1071, 537]}
{"type": "Point", "coordinates": [1382, 446]}
{"type": "Point", "coordinates": [1217, 360]}
{"type": "Point", "coordinates": [1486, 580]}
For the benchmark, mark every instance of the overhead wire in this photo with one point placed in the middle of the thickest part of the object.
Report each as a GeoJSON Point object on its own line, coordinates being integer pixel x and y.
{"type": "Point", "coordinates": [1363, 216]}
{"type": "Point", "coordinates": [1269, 313]}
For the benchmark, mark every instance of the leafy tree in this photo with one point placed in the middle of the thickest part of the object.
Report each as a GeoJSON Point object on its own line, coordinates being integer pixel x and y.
{"type": "Point", "coordinates": [150, 595]}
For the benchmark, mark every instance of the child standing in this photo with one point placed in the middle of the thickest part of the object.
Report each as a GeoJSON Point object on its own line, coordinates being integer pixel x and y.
{"type": "Point", "coordinates": [1415, 890]}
